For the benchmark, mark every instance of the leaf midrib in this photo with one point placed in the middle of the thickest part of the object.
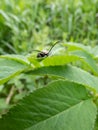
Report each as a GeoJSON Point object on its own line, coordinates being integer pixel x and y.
{"type": "Point", "coordinates": [81, 102]}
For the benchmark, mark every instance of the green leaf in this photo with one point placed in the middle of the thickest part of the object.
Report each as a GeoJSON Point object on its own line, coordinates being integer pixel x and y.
{"type": "Point", "coordinates": [88, 59]}
{"type": "Point", "coordinates": [10, 68]}
{"type": "Point", "coordinates": [84, 52]}
{"type": "Point", "coordinates": [79, 117]}
{"type": "Point", "coordinates": [58, 106]}
{"type": "Point", "coordinates": [77, 46]}
{"type": "Point", "coordinates": [54, 60]}
{"type": "Point", "coordinates": [70, 73]}
{"type": "Point", "coordinates": [79, 53]}
{"type": "Point", "coordinates": [65, 59]}
{"type": "Point", "coordinates": [18, 58]}
{"type": "Point", "coordinates": [59, 60]}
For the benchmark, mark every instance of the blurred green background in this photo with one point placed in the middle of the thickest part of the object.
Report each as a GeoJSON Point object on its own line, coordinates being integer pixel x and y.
{"type": "Point", "coordinates": [27, 24]}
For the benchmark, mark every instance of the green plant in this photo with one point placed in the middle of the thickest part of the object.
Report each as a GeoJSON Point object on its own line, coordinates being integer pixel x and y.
{"type": "Point", "coordinates": [25, 25]}
{"type": "Point", "coordinates": [68, 100]}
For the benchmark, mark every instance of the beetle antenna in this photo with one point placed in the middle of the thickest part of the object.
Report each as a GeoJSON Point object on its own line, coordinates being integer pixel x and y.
{"type": "Point", "coordinates": [53, 46]}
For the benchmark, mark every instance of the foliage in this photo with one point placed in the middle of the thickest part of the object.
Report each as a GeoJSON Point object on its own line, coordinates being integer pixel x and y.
{"type": "Point", "coordinates": [69, 99]}
{"type": "Point", "coordinates": [25, 25]}
{"type": "Point", "coordinates": [56, 90]}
